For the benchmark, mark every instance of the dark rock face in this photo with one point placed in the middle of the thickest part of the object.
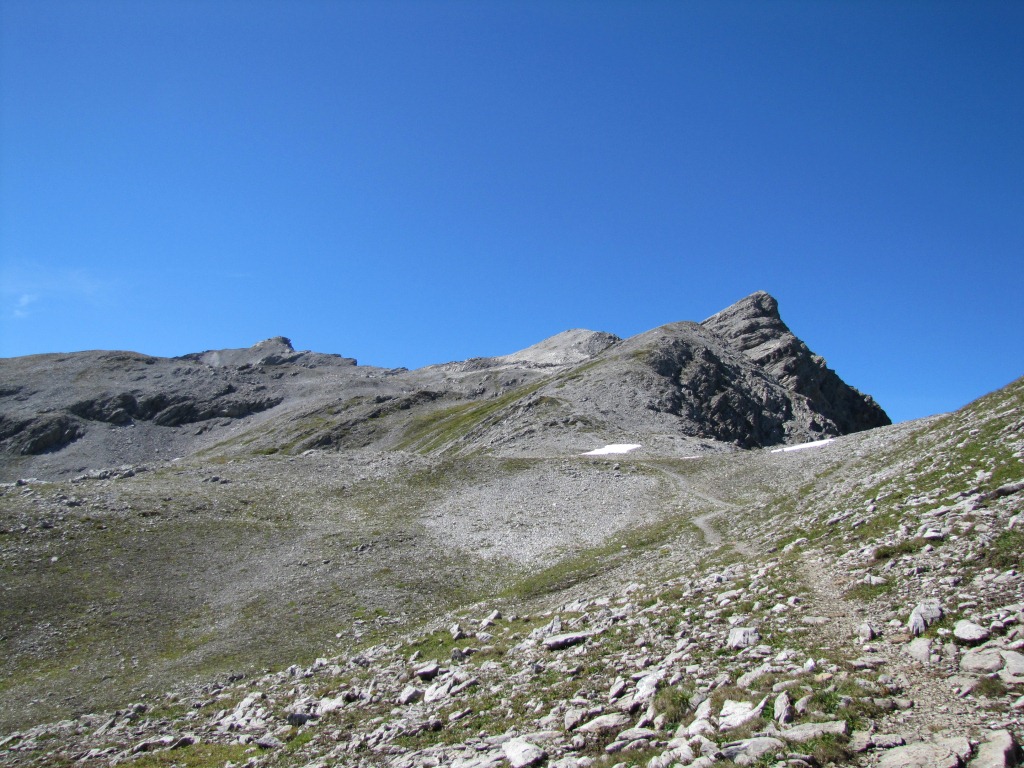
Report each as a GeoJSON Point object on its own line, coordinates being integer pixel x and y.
{"type": "Point", "coordinates": [754, 327]}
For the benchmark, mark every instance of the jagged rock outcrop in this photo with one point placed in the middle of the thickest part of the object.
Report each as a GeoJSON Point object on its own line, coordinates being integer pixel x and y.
{"type": "Point", "coordinates": [754, 327]}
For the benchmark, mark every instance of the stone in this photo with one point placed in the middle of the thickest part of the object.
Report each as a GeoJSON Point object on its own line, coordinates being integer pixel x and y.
{"type": "Point", "coordinates": [633, 734]}
{"type": "Point", "coordinates": [269, 741]}
{"type": "Point", "coordinates": [981, 662]}
{"type": "Point", "coordinates": [941, 753]}
{"type": "Point", "coordinates": [523, 754]}
{"type": "Point", "coordinates": [998, 750]}
{"type": "Point", "coordinates": [748, 751]}
{"type": "Point", "coordinates": [604, 723]}
{"type": "Point", "coordinates": [427, 671]}
{"type": "Point", "coordinates": [783, 709]}
{"type": "Point", "coordinates": [1014, 664]}
{"type": "Point", "coordinates": [969, 633]}
{"type": "Point", "coordinates": [926, 613]}
{"type": "Point", "coordinates": [807, 731]}
{"type": "Point", "coordinates": [743, 637]}
{"type": "Point", "coordinates": [573, 717]}
{"type": "Point", "coordinates": [557, 642]}
{"type": "Point", "coordinates": [919, 649]}
{"type": "Point", "coordinates": [410, 694]}
{"type": "Point", "coordinates": [736, 713]}
{"type": "Point", "coordinates": [867, 632]}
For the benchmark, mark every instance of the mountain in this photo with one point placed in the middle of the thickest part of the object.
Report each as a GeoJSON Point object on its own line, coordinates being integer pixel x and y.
{"type": "Point", "coordinates": [299, 561]}
{"type": "Point", "coordinates": [741, 378]}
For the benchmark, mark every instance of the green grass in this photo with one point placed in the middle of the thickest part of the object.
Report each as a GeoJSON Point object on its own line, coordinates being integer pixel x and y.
{"type": "Point", "coordinates": [868, 592]}
{"type": "Point", "coordinates": [195, 756]}
{"type": "Point", "coordinates": [905, 547]}
{"type": "Point", "coordinates": [439, 428]}
{"type": "Point", "coordinates": [1006, 550]}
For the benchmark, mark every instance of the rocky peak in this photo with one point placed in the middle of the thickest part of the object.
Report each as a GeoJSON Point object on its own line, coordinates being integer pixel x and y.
{"type": "Point", "coordinates": [754, 327]}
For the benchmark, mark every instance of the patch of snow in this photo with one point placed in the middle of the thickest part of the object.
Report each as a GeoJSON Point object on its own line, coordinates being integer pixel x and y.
{"type": "Point", "coordinates": [613, 448]}
{"type": "Point", "coordinates": [803, 446]}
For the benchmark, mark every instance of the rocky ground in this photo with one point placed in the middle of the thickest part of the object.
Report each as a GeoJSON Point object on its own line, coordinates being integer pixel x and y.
{"type": "Point", "coordinates": [860, 602]}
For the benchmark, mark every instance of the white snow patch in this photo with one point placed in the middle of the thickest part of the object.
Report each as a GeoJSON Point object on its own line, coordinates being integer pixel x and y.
{"type": "Point", "coordinates": [613, 448]}
{"type": "Point", "coordinates": [803, 446]}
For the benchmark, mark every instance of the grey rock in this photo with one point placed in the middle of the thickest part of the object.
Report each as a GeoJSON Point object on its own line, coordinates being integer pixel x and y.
{"type": "Point", "coordinates": [736, 713]}
{"type": "Point", "coordinates": [557, 642]}
{"type": "Point", "coordinates": [743, 637]}
{"type": "Point", "coordinates": [410, 694]}
{"type": "Point", "coordinates": [981, 662]}
{"type": "Point", "coordinates": [269, 741]}
{"type": "Point", "coordinates": [807, 731]}
{"type": "Point", "coordinates": [940, 753]}
{"type": "Point", "coordinates": [926, 613]}
{"type": "Point", "coordinates": [748, 751]}
{"type": "Point", "coordinates": [523, 754]}
{"type": "Point", "coordinates": [783, 709]}
{"type": "Point", "coordinates": [604, 723]}
{"type": "Point", "coordinates": [998, 749]}
{"type": "Point", "coordinates": [970, 633]}
{"type": "Point", "coordinates": [919, 649]}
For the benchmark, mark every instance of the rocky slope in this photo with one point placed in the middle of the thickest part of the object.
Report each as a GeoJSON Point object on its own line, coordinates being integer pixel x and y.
{"type": "Point", "coordinates": [413, 576]}
{"type": "Point", "coordinates": [856, 602]}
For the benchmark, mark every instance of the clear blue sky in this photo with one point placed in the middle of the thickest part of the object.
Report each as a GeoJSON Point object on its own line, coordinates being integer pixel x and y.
{"type": "Point", "coordinates": [416, 182]}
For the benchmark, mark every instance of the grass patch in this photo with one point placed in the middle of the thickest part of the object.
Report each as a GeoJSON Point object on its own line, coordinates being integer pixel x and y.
{"type": "Point", "coordinates": [195, 756]}
{"type": "Point", "coordinates": [1006, 550]}
{"type": "Point", "coordinates": [865, 593]}
{"type": "Point", "coordinates": [434, 430]}
{"type": "Point", "coordinates": [992, 687]}
{"type": "Point", "coordinates": [905, 547]}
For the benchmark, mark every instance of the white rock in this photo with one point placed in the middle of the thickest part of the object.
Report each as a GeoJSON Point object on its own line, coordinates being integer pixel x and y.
{"type": "Point", "coordinates": [919, 649]}
{"type": "Point", "coordinates": [736, 713]}
{"type": "Point", "coordinates": [603, 723]}
{"type": "Point", "coordinates": [998, 750]}
{"type": "Point", "coordinates": [410, 694]}
{"type": "Point", "coordinates": [807, 731]}
{"type": "Point", "coordinates": [941, 753]}
{"type": "Point", "coordinates": [981, 662]}
{"type": "Point", "coordinates": [924, 615]}
{"type": "Point", "coordinates": [523, 754]}
{"type": "Point", "coordinates": [743, 637]}
{"type": "Point", "coordinates": [783, 709]}
{"type": "Point", "coordinates": [968, 632]}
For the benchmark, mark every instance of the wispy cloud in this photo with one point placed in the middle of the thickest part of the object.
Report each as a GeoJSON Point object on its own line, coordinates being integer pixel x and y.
{"type": "Point", "coordinates": [21, 306]}
{"type": "Point", "coordinates": [25, 288]}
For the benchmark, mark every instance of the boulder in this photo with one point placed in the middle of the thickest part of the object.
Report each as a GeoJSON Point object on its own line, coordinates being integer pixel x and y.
{"type": "Point", "coordinates": [981, 662]}
{"type": "Point", "coordinates": [969, 633]}
{"type": "Point", "coordinates": [743, 637]}
{"type": "Point", "coordinates": [736, 713]}
{"type": "Point", "coordinates": [604, 723]}
{"type": "Point", "coordinates": [557, 642]}
{"type": "Point", "coordinates": [998, 750]}
{"type": "Point", "coordinates": [919, 649]}
{"type": "Point", "coordinates": [523, 754]}
{"type": "Point", "coordinates": [807, 731]}
{"type": "Point", "coordinates": [940, 753]}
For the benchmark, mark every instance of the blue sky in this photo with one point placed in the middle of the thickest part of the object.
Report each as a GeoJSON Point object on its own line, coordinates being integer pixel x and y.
{"type": "Point", "coordinates": [416, 182]}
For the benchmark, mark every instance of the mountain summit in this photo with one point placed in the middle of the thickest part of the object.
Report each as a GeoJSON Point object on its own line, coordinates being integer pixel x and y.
{"type": "Point", "coordinates": [754, 327]}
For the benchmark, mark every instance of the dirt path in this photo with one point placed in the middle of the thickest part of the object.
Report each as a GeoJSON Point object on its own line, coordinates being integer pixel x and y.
{"type": "Point", "coordinates": [712, 538]}
{"type": "Point", "coordinates": [935, 707]}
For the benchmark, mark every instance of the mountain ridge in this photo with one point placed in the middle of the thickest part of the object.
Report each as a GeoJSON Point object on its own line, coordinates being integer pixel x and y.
{"type": "Point", "coordinates": [739, 379]}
